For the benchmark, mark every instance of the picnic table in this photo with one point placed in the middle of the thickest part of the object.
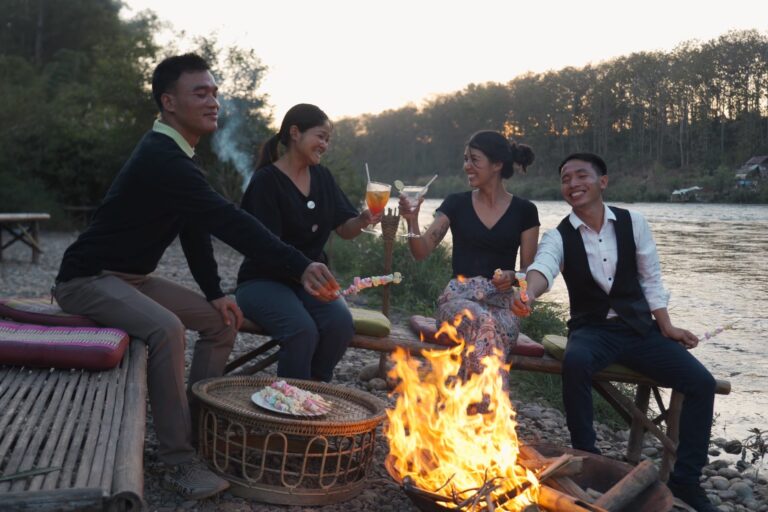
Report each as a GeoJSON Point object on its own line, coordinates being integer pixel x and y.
{"type": "Point", "coordinates": [23, 227]}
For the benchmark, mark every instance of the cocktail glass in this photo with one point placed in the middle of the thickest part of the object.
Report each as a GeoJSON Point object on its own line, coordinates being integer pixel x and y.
{"type": "Point", "coordinates": [376, 197]}
{"type": "Point", "coordinates": [412, 195]}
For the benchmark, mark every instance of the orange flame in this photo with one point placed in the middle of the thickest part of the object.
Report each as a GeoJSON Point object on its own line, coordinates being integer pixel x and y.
{"type": "Point", "coordinates": [433, 439]}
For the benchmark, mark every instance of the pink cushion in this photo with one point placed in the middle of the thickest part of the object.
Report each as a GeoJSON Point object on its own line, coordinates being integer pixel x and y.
{"type": "Point", "coordinates": [426, 327]}
{"type": "Point", "coordinates": [91, 348]}
{"type": "Point", "coordinates": [41, 312]}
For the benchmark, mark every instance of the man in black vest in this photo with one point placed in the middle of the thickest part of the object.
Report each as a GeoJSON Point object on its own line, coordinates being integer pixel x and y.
{"type": "Point", "coordinates": [619, 314]}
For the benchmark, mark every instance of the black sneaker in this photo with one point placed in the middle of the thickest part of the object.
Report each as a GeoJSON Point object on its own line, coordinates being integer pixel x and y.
{"type": "Point", "coordinates": [693, 495]}
{"type": "Point", "coordinates": [193, 480]}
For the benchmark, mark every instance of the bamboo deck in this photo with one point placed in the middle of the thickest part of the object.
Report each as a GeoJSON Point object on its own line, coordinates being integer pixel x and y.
{"type": "Point", "coordinates": [77, 435]}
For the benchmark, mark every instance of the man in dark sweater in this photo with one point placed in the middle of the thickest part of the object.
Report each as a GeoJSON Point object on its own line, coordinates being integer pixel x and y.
{"type": "Point", "coordinates": [160, 194]}
{"type": "Point", "coordinates": [619, 314]}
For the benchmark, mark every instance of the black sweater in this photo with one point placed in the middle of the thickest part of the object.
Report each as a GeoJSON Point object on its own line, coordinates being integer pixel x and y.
{"type": "Point", "coordinates": [160, 194]}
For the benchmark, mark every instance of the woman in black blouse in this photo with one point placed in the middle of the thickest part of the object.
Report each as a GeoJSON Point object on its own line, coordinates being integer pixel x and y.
{"type": "Point", "coordinates": [488, 225]}
{"type": "Point", "coordinates": [299, 201]}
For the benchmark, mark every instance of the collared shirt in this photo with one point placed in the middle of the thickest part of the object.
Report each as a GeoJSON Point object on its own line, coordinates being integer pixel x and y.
{"type": "Point", "coordinates": [166, 129]}
{"type": "Point", "coordinates": [602, 255]}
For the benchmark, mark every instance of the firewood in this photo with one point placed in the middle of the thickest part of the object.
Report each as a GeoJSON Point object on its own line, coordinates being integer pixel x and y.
{"type": "Point", "coordinates": [573, 466]}
{"type": "Point", "coordinates": [556, 501]}
{"type": "Point", "coordinates": [626, 489]}
{"type": "Point", "coordinates": [561, 483]}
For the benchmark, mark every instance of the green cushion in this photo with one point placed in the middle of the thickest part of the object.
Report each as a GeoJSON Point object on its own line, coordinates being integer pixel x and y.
{"type": "Point", "coordinates": [370, 323]}
{"type": "Point", "coordinates": [555, 346]}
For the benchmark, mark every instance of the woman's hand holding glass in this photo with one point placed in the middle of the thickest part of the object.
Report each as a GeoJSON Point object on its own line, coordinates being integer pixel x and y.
{"type": "Point", "coordinates": [368, 218]}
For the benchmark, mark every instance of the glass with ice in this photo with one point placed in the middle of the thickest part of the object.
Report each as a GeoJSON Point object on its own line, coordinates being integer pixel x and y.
{"type": "Point", "coordinates": [376, 197]}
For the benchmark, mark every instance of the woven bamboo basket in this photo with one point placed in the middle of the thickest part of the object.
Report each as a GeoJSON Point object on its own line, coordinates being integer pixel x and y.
{"type": "Point", "coordinates": [276, 458]}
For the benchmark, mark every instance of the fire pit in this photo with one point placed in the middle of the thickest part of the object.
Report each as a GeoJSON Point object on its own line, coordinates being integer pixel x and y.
{"type": "Point", "coordinates": [453, 446]}
{"type": "Point", "coordinates": [287, 460]}
{"type": "Point", "coordinates": [597, 473]}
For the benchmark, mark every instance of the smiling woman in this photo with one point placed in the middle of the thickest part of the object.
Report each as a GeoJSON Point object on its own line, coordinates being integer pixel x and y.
{"type": "Point", "coordinates": [488, 225]}
{"type": "Point", "coordinates": [299, 201]}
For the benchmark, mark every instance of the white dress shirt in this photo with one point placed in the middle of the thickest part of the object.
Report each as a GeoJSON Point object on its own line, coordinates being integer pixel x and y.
{"type": "Point", "coordinates": [602, 255]}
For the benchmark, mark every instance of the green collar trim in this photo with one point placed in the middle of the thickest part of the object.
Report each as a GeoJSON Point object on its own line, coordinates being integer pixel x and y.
{"type": "Point", "coordinates": [165, 129]}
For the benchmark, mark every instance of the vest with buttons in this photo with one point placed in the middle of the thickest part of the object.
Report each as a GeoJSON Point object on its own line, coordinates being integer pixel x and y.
{"type": "Point", "coordinates": [589, 303]}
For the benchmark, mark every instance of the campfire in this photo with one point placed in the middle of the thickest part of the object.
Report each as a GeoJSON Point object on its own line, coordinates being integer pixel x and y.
{"type": "Point", "coordinates": [453, 445]}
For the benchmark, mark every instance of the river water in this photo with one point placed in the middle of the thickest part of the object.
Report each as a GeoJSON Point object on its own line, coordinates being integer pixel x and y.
{"type": "Point", "coordinates": [714, 260]}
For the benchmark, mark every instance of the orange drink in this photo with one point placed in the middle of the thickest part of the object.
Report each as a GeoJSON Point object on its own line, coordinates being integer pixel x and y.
{"type": "Point", "coordinates": [376, 196]}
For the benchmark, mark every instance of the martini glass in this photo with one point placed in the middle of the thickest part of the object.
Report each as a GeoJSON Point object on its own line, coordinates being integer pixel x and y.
{"type": "Point", "coordinates": [412, 195]}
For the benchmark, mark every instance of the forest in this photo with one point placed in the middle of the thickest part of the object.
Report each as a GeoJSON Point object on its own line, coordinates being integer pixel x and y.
{"type": "Point", "coordinates": [74, 88]}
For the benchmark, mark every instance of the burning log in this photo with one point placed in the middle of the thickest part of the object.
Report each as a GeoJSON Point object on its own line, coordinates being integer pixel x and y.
{"type": "Point", "coordinates": [635, 482]}
{"type": "Point", "coordinates": [559, 482]}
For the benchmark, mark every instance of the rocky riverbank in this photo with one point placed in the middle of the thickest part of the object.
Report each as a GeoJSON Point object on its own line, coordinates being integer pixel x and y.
{"type": "Point", "coordinates": [733, 487]}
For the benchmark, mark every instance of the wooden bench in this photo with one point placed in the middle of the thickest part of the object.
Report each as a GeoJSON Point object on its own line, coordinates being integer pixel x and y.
{"type": "Point", "coordinates": [23, 227]}
{"type": "Point", "coordinates": [73, 439]}
{"type": "Point", "coordinates": [398, 337]}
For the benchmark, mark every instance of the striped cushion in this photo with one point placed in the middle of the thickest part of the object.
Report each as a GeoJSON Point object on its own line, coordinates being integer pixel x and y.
{"type": "Point", "coordinates": [91, 348]}
{"type": "Point", "coordinates": [41, 312]}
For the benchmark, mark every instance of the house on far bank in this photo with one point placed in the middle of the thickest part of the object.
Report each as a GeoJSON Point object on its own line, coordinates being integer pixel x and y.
{"type": "Point", "coordinates": [686, 195]}
{"type": "Point", "coordinates": [752, 172]}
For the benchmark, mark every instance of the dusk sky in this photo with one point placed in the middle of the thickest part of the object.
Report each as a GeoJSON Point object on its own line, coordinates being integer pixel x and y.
{"type": "Point", "coordinates": [353, 57]}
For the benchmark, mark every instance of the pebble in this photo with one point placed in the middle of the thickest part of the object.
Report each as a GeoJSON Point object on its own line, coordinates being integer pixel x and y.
{"type": "Point", "coordinates": [728, 473]}
{"type": "Point", "coordinates": [720, 483]}
{"type": "Point", "coordinates": [537, 422]}
{"type": "Point", "coordinates": [651, 451]}
{"type": "Point", "coordinates": [742, 490]}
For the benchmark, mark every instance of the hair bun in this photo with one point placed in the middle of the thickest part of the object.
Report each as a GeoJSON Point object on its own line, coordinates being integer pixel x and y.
{"type": "Point", "coordinates": [523, 155]}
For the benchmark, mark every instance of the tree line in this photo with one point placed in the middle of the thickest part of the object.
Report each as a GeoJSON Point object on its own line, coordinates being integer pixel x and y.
{"type": "Point", "coordinates": [662, 120]}
{"type": "Point", "coordinates": [74, 90]}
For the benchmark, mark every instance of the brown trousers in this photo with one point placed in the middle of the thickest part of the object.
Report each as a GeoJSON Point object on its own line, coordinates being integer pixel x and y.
{"type": "Point", "coordinates": [158, 311]}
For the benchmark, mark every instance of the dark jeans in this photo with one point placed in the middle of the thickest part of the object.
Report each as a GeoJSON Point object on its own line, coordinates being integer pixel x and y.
{"type": "Point", "coordinates": [313, 334]}
{"type": "Point", "coordinates": [592, 348]}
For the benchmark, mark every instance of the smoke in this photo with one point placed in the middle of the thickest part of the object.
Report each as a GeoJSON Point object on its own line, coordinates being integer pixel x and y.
{"type": "Point", "coordinates": [230, 142]}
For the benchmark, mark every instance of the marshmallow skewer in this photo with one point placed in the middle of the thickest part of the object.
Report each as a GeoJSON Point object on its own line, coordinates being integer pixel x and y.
{"type": "Point", "coordinates": [520, 276]}
{"type": "Point", "coordinates": [709, 335]}
{"type": "Point", "coordinates": [369, 282]}
{"type": "Point", "coordinates": [521, 282]}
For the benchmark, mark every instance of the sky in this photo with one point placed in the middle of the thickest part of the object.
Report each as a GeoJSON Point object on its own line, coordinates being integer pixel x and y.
{"type": "Point", "coordinates": [351, 57]}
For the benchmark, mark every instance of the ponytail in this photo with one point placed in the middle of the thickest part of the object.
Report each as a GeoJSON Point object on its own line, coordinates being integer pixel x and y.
{"type": "Point", "coordinates": [268, 151]}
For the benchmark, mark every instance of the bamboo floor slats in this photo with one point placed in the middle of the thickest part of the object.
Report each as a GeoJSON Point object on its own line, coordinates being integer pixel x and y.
{"type": "Point", "coordinates": [73, 439]}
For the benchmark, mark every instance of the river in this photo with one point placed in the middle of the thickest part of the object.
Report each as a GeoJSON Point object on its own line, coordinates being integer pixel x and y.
{"type": "Point", "coordinates": [714, 260]}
